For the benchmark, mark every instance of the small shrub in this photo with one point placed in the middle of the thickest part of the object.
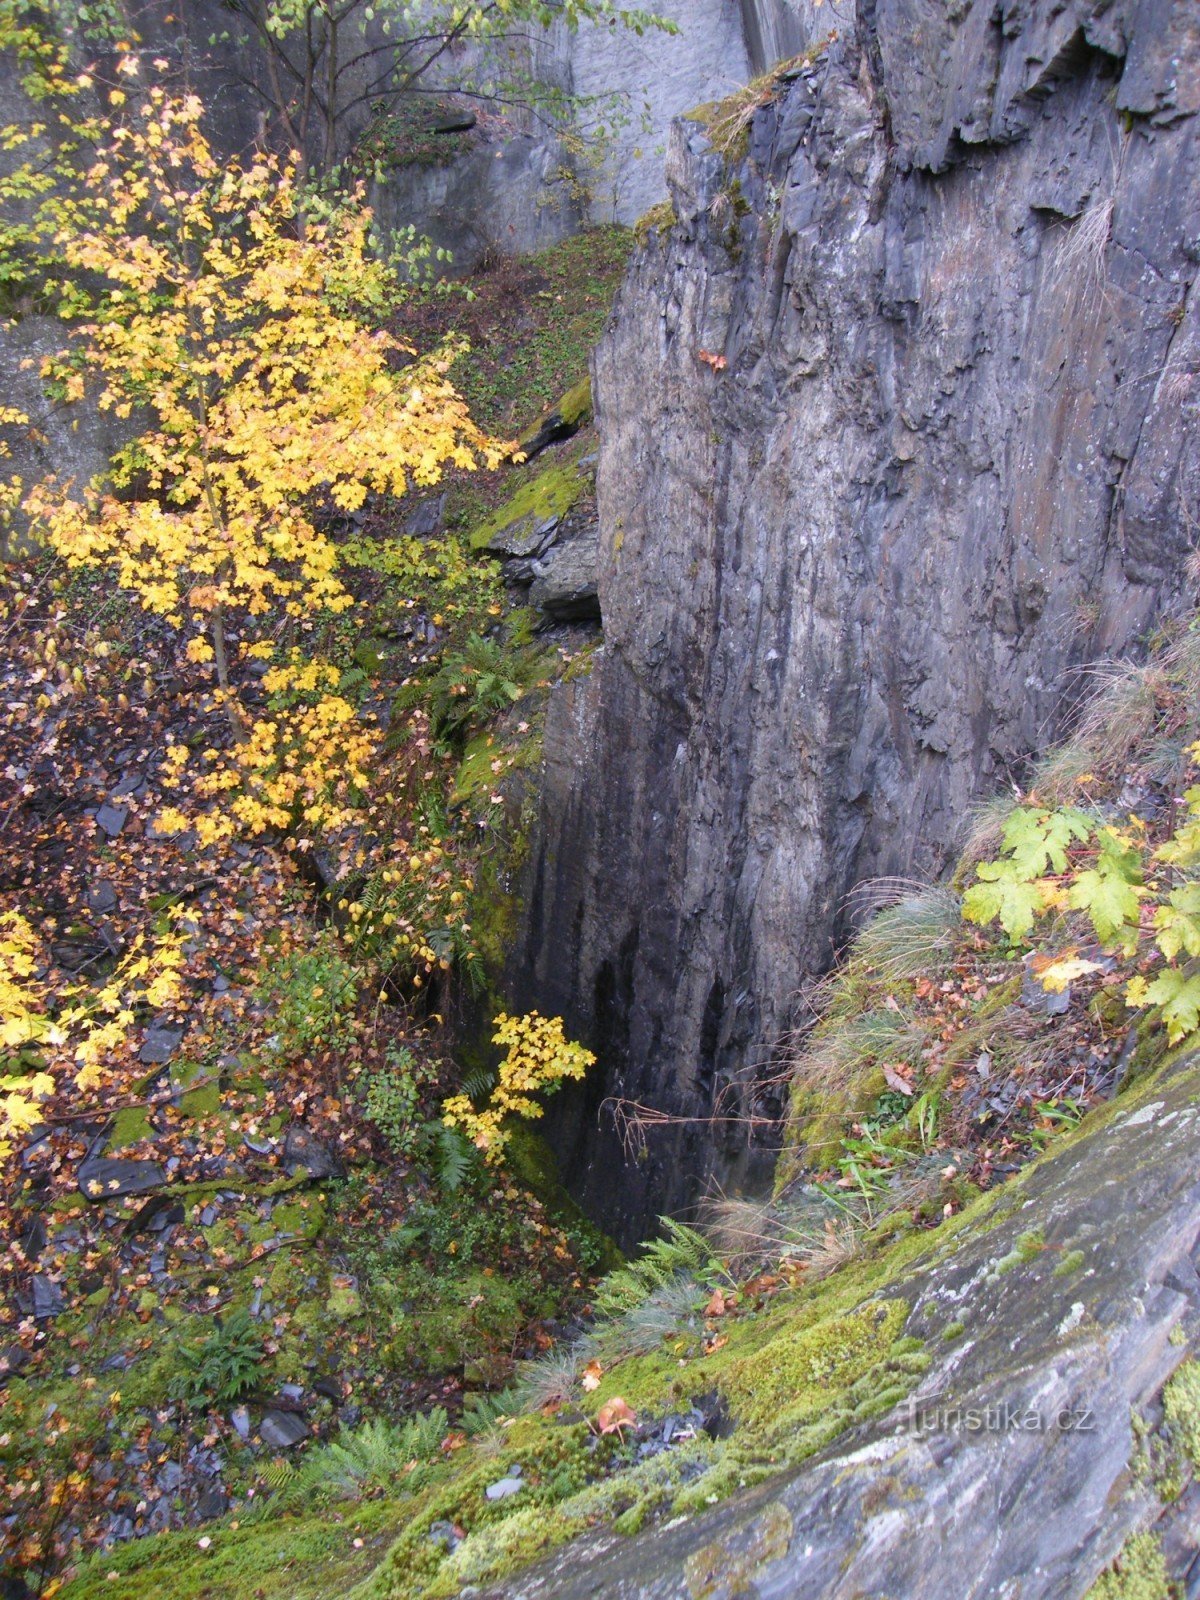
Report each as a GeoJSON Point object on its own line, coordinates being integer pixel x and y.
{"type": "Point", "coordinates": [313, 994]}
{"type": "Point", "coordinates": [393, 1098]}
{"type": "Point", "coordinates": [538, 1057]}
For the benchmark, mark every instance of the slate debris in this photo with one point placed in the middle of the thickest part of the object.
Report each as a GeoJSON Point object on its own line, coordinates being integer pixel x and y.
{"type": "Point", "coordinates": [108, 1177]}
{"type": "Point", "coordinates": [160, 1044]}
{"type": "Point", "coordinates": [281, 1430]}
{"type": "Point", "coordinates": [303, 1151]}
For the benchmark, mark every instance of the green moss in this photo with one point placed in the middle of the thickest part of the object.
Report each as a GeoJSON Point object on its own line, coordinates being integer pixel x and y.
{"type": "Point", "coordinates": [953, 1330]}
{"type": "Point", "coordinates": [551, 493]}
{"type": "Point", "coordinates": [1027, 1248]}
{"type": "Point", "coordinates": [202, 1101]}
{"type": "Point", "coordinates": [658, 220]}
{"type": "Point", "coordinates": [130, 1126]}
{"type": "Point", "coordinates": [1139, 1573]}
{"type": "Point", "coordinates": [1181, 1403]}
{"type": "Point", "coordinates": [575, 407]}
{"type": "Point", "coordinates": [276, 1558]}
{"type": "Point", "coordinates": [1070, 1263]}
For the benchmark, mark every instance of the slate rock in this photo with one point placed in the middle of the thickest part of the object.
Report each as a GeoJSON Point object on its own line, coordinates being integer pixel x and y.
{"type": "Point", "coordinates": [48, 1299]}
{"type": "Point", "coordinates": [282, 1429]}
{"type": "Point", "coordinates": [14, 1358]}
{"type": "Point", "coordinates": [712, 805]}
{"type": "Point", "coordinates": [303, 1150]}
{"type": "Point", "coordinates": [504, 1488]}
{"type": "Point", "coordinates": [239, 1418]}
{"type": "Point", "coordinates": [107, 1177]}
{"type": "Point", "coordinates": [170, 1477]}
{"type": "Point", "coordinates": [101, 897]}
{"type": "Point", "coordinates": [212, 1501]}
{"type": "Point", "coordinates": [111, 819]}
{"type": "Point", "coordinates": [160, 1044]}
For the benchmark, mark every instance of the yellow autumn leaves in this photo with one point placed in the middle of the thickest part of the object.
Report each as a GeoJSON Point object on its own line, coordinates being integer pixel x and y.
{"type": "Point", "coordinates": [76, 1037]}
{"type": "Point", "coordinates": [538, 1057]}
{"type": "Point", "coordinates": [217, 323]}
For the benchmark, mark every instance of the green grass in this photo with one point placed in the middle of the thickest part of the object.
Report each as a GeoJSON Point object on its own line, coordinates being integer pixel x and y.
{"type": "Point", "coordinates": [531, 324]}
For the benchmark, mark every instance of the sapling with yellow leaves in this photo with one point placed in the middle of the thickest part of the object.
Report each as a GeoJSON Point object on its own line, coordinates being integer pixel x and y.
{"type": "Point", "coordinates": [43, 1035]}
{"type": "Point", "coordinates": [237, 347]}
{"type": "Point", "coordinates": [538, 1058]}
{"type": "Point", "coordinates": [1141, 901]}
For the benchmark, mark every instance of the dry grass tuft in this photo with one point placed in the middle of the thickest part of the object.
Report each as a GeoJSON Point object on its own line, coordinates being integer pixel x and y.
{"type": "Point", "coordinates": [920, 927]}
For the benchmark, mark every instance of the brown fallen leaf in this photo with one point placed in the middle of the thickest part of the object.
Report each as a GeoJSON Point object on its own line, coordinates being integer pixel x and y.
{"type": "Point", "coordinates": [592, 1374]}
{"type": "Point", "coordinates": [717, 1305]}
{"type": "Point", "coordinates": [614, 1416]}
{"type": "Point", "coordinates": [717, 363]}
{"type": "Point", "coordinates": [895, 1079]}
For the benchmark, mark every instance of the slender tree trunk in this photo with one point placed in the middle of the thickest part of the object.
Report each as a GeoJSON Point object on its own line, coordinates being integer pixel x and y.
{"type": "Point", "coordinates": [219, 652]}
{"type": "Point", "coordinates": [331, 80]}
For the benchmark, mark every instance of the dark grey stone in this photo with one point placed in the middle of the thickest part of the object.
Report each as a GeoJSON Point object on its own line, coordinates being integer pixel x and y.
{"type": "Point", "coordinates": [111, 819]}
{"type": "Point", "coordinates": [302, 1149]}
{"type": "Point", "coordinates": [48, 1300]}
{"type": "Point", "coordinates": [282, 1429]}
{"type": "Point", "coordinates": [101, 897]}
{"type": "Point", "coordinates": [160, 1044]}
{"type": "Point", "coordinates": [212, 1501]}
{"type": "Point", "coordinates": [107, 1177]}
{"type": "Point", "coordinates": [923, 1501]}
{"type": "Point", "coordinates": [846, 579]}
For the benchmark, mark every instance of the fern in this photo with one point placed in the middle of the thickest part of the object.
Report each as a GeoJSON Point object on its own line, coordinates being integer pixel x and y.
{"type": "Point", "coordinates": [682, 1251]}
{"type": "Point", "coordinates": [477, 1085]}
{"type": "Point", "coordinates": [453, 1157]}
{"type": "Point", "coordinates": [484, 1411]}
{"type": "Point", "coordinates": [278, 1474]}
{"type": "Point", "coordinates": [371, 1457]}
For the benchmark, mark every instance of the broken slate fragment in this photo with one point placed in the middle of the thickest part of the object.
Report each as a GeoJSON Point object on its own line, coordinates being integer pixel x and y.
{"type": "Point", "coordinates": [47, 1297]}
{"type": "Point", "coordinates": [240, 1418]}
{"type": "Point", "coordinates": [13, 1358]}
{"type": "Point", "coordinates": [101, 897]}
{"type": "Point", "coordinates": [111, 819]}
{"type": "Point", "coordinates": [107, 1177]}
{"type": "Point", "coordinates": [211, 1502]}
{"type": "Point", "coordinates": [504, 1488]}
{"type": "Point", "coordinates": [160, 1044]}
{"type": "Point", "coordinates": [302, 1150]}
{"type": "Point", "coordinates": [282, 1429]}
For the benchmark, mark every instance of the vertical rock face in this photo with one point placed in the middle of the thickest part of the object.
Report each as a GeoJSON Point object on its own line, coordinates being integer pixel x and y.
{"type": "Point", "coordinates": [655, 76]}
{"type": "Point", "coordinates": [899, 428]}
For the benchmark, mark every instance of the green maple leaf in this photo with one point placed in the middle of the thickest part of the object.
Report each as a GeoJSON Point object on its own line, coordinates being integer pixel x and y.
{"type": "Point", "coordinates": [1038, 841]}
{"type": "Point", "coordinates": [1179, 997]}
{"type": "Point", "coordinates": [1111, 902]}
{"type": "Point", "coordinates": [1003, 894]}
{"type": "Point", "coordinates": [1178, 922]}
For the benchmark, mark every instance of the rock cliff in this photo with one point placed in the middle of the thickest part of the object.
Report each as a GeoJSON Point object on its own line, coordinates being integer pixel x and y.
{"type": "Point", "coordinates": [898, 423]}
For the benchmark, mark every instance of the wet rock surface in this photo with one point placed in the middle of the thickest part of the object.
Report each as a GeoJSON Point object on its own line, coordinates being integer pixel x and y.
{"type": "Point", "coordinates": [1014, 1466]}
{"type": "Point", "coordinates": [895, 436]}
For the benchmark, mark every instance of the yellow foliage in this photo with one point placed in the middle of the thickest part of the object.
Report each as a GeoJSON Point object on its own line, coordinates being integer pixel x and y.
{"type": "Point", "coordinates": [302, 765]}
{"type": "Point", "coordinates": [92, 1023]}
{"type": "Point", "coordinates": [233, 330]}
{"type": "Point", "coordinates": [538, 1057]}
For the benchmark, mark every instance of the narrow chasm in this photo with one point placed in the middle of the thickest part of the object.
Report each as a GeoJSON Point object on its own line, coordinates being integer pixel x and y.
{"type": "Point", "coordinates": [600, 800]}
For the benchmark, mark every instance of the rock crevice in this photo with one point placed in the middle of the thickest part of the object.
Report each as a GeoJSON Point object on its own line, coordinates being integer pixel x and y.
{"type": "Point", "coordinates": [898, 426]}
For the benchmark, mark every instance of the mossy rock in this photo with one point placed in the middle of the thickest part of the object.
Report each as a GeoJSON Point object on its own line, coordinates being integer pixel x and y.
{"type": "Point", "coordinates": [572, 412]}
{"type": "Point", "coordinates": [660, 219]}
{"type": "Point", "coordinates": [513, 530]}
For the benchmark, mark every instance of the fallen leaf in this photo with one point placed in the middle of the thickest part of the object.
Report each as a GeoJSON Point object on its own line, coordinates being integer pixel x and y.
{"type": "Point", "coordinates": [614, 1416]}
{"type": "Point", "coordinates": [592, 1374]}
{"type": "Point", "coordinates": [895, 1079]}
